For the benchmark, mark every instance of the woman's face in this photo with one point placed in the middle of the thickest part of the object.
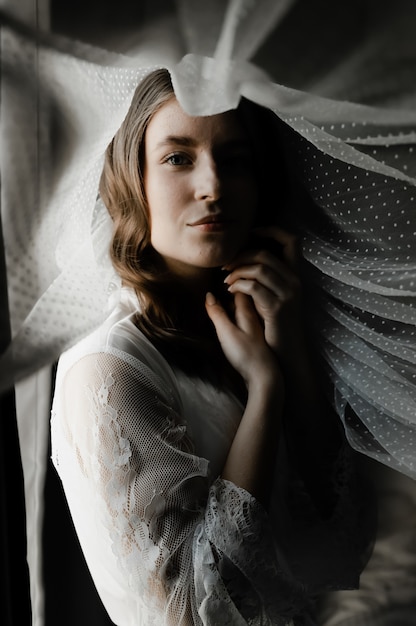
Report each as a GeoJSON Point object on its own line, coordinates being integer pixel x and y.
{"type": "Point", "coordinates": [200, 188]}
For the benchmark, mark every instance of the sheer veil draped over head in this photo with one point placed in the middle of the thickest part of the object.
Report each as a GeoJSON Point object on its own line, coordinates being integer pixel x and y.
{"type": "Point", "coordinates": [352, 137]}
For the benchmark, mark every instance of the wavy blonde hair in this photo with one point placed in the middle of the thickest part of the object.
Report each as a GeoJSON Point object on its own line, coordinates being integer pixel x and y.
{"type": "Point", "coordinates": [122, 191]}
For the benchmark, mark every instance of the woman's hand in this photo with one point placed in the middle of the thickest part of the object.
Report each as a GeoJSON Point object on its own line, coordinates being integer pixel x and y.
{"type": "Point", "coordinates": [242, 339]}
{"type": "Point", "coordinates": [266, 299]}
{"type": "Point", "coordinates": [274, 289]}
{"type": "Point", "coordinates": [268, 287]}
{"type": "Point", "coordinates": [252, 455]}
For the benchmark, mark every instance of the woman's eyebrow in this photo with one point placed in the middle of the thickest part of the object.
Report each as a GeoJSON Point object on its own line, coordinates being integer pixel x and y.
{"type": "Point", "coordinates": [180, 140]}
{"type": "Point", "coordinates": [190, 142]}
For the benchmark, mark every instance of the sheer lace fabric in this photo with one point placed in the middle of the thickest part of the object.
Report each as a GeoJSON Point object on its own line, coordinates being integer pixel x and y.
{"type": "Point", "coordinates": [166, 540]}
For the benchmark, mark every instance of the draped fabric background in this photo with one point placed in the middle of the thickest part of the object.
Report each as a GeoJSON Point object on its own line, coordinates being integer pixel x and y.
{"type": "Point", "coordinates": [62, 101]}
{"type": "Point", "coordinates": [14, 597]}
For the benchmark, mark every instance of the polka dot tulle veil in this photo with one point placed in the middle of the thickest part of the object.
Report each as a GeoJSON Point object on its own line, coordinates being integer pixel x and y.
{"type": "Point", "coordinates": [357, 163]}
{"type": "Point", "coordinates": [363, 264]}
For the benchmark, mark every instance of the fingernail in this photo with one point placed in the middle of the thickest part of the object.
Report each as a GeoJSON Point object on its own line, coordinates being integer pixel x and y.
{"type": "Point", "coordinates": [210, 298]}
{"type": "Point", "coordinates": [227, 278]}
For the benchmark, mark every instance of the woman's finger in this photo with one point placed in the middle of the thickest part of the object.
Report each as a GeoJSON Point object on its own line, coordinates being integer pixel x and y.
{"type": "Point", "coordinates": [218, 315]}
{"type": "Point", "coordinates": [262, 257]}
{"type": "Point", "coordinates": [246, 316]}
{"type": "Point", "coordinates": [277, 279]}
{"type": "Point", "coordinates": [267, 303]}
{"type": "Point", "coordinates": [243, 342]}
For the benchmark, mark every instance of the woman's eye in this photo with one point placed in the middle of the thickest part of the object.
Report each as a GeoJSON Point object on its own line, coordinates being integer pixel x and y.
{"type": "Point", "coordinates": [177, 159]}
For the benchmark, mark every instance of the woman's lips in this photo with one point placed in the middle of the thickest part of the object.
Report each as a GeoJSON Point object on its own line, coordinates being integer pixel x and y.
{"type": "Point", "coordinates": [211, 223]}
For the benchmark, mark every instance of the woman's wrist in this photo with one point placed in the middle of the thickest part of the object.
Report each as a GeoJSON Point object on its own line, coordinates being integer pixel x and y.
{"type": "Point", "coordinates": [265, 378]}
{"type": "Point", "coordinates": [266, 399]}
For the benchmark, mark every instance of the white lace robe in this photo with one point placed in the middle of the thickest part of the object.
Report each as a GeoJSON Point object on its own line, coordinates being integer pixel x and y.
{"type": "Point", "coordinates": [140, 447]}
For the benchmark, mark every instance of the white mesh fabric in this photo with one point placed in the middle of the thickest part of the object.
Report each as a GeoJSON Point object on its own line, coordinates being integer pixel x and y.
{"type": "Point", "coordinates": [156, 529]}
{"type": "Point", "coordinates": [56, 242]}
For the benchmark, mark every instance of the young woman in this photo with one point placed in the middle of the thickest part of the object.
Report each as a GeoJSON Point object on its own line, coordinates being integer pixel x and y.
{"type": "Point", "coordinates": [207, 479]}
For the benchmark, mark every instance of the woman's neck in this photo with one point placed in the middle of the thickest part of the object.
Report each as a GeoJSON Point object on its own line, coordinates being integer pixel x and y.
{"type": "Point", "coordinates": [185, 299]}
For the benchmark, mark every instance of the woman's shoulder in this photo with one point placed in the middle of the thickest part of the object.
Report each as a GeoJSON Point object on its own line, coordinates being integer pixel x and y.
{"type": "Point", "coordinates": [124, 344]}
{"type": "Point", "coordinates": [107, 337]}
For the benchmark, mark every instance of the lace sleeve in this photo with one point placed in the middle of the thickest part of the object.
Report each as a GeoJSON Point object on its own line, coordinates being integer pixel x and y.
{"type": "Point", "coordinates": [192, 549]}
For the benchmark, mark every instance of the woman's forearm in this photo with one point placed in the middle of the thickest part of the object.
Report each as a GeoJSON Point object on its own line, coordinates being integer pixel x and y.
{"type": "Point", "coordinates": [252, 456]}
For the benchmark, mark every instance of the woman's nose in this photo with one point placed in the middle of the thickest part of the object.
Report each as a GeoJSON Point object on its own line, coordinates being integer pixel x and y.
{"type": "Point", "coordinates": [207, 180]}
